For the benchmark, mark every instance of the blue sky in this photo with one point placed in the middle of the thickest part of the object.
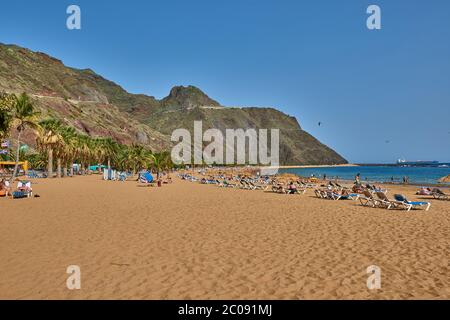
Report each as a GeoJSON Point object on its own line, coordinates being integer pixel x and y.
{"type": "Point", "coordinates": [380, 94]}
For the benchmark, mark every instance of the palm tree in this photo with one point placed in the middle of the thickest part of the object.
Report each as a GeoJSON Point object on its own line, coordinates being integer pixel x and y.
{"type": "Point", "coordinates": [161, 161]}
{"type": "Point", "coordinates": [49, 140]}
{"type": "Point", "coordinates": [122, 158]}
{"type": "Point", "coordinates": [140, 157]}
{"type": "Point", "coordinates": [111, 148]}
{"type": "Point", "coordinates": [37, 160]}
{"type": "Point", "coordinates": [23, 116]}
{"type": "Point", "coordinates": [85, 150]}
{"type": "Point", "coordinates": [69, 137]}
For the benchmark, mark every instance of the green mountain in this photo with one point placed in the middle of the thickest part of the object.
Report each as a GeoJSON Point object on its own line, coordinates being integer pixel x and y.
{"type": "Point", "coordinates": [99, 107]}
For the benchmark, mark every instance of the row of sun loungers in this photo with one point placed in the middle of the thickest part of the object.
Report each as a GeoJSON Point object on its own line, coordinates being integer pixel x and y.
{"type": "Point", "coordinates": [369, 196]}
{"type": "Point", "coordinates": [436, 193]}
{"type": "Point", "coordinates": [263, 184]}
{"type": "Point", "coordinates": [333, 194]}
{"type": "Point", "coordinates": [372, 197]}
{"type": "Point", "coordinates": [241, 184]}
{"type": "Point", "coordinates": [380, 200]}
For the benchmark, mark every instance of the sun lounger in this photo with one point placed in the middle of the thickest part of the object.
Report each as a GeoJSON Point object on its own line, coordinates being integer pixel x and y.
{"type": "Point", "coordinates": [301, 190]}
{"type": "Point", "coordinates": [35, 175]}
{"type": "Point", "coordinates": [255, 186]}
{"type": "Point", "coordinates": [390, 204]}
{"type": "Point", "coordinates": [24, 190]}
{"type": "Point", "coordinates": [209, 181]}
{"type": "Point", "coordinates": [122, 176]}
{"type": "Point", "coordinates": [368, 200]}
{"type": "Point", "coordinates": [375, 189]}
{"type": "Point", "coordinates": [146, 178]}
{"type": "Point", "coordinates": [333, 195]}
{"type": "Point", "coordinates": [250, 185]}
{"type": "Point", "coordinates": [440, 195]}
{"type": "Point", "coordinates": [307, 185]}
{"type": "Point", "coordinates": [243, 184]}
{"type": "Point", "coordinates": [412, 204]}
{"type": "Point", "coordinates": [320, 193]}
{"type": "Point", "coordinates": [278, 188]}
{"type": "Point", "coordinates": [226, 184]}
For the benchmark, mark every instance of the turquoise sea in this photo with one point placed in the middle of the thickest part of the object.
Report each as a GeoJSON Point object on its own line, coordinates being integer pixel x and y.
{"type": "Point", "coordinates": [416, 175]}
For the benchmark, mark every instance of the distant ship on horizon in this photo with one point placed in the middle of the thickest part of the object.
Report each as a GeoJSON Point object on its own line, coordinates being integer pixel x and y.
{"type": "Point", "coordinates": [417, 163]}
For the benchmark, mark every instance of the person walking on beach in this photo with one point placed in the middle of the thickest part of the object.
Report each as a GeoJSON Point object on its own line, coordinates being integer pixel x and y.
{"type": "Point", "coordinates": [324, 177]}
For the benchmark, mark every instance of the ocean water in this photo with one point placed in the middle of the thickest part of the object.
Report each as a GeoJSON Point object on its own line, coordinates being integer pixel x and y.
{"type": "Point", "coordinates": [416, 175]}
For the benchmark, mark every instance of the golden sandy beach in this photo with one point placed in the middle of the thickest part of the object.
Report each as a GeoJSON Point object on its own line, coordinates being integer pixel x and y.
{"type": "Point", "coordinates": [192, 241]}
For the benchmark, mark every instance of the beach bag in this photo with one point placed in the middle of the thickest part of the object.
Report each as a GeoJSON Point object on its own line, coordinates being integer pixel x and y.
{"type": "Point", "coordinates": [19, 195]}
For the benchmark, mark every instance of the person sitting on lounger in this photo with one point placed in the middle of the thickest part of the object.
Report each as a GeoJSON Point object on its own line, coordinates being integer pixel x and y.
{"type": "Point", "coordinates": [292, 188]}
{"type": "Point", "coordinates": [439, 194]}
{"type": "Point", "coordinates": [279, 188]}
{"type": "Point", "coordinates": [424, 192]}
{"type": "Point", "coordinates": [23, 190]}
{"type": "Point", "coordinates": [358, 188]}
{"type": "Point", "coordinates": [4, 188]}
{"type": "Point", "coordinates": [24, 186]}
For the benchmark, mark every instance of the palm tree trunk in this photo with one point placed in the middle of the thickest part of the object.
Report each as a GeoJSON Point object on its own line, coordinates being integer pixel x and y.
{"type": "Point", "coordinates": [16, 167]}
{"type": "Point", "coordinates": [64, 170]}
{"type": "Point", "coordinates": [50, 163]}
{"type": "Point", "coordinates": [58, 167]}
{"type": "Point", "coordinates": [71, 170]}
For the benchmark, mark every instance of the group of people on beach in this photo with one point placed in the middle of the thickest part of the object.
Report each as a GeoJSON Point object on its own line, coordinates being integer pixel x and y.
{"type": "Point", "coordinates": [291, 184]}
{"type": "Point", "coordinates": [23, 190]}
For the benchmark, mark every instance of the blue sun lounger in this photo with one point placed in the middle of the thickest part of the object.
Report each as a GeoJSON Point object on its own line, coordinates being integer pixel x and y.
{"type": "Point", "coordinates": [336, 196]}
{"type": "Point", "coordinates": [146, 178]}
{"type": "Point", "coordinates": [412, 204]}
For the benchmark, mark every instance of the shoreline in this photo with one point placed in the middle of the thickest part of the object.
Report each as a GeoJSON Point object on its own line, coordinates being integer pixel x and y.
{"type": "Point", "coordinates": [435, 183]}
{"type": "Point", "coordinates": [311, 166]}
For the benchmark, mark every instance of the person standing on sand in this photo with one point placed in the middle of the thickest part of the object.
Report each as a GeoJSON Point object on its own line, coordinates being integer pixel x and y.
{"type": "Point", "coordinates": [357, 179]}
{"type": "Point", "coordinates": [324, 177]}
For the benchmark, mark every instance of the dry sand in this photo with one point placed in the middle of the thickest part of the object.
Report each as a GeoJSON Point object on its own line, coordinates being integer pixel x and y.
{"type": "Point", "coordinates": [192, 241]}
